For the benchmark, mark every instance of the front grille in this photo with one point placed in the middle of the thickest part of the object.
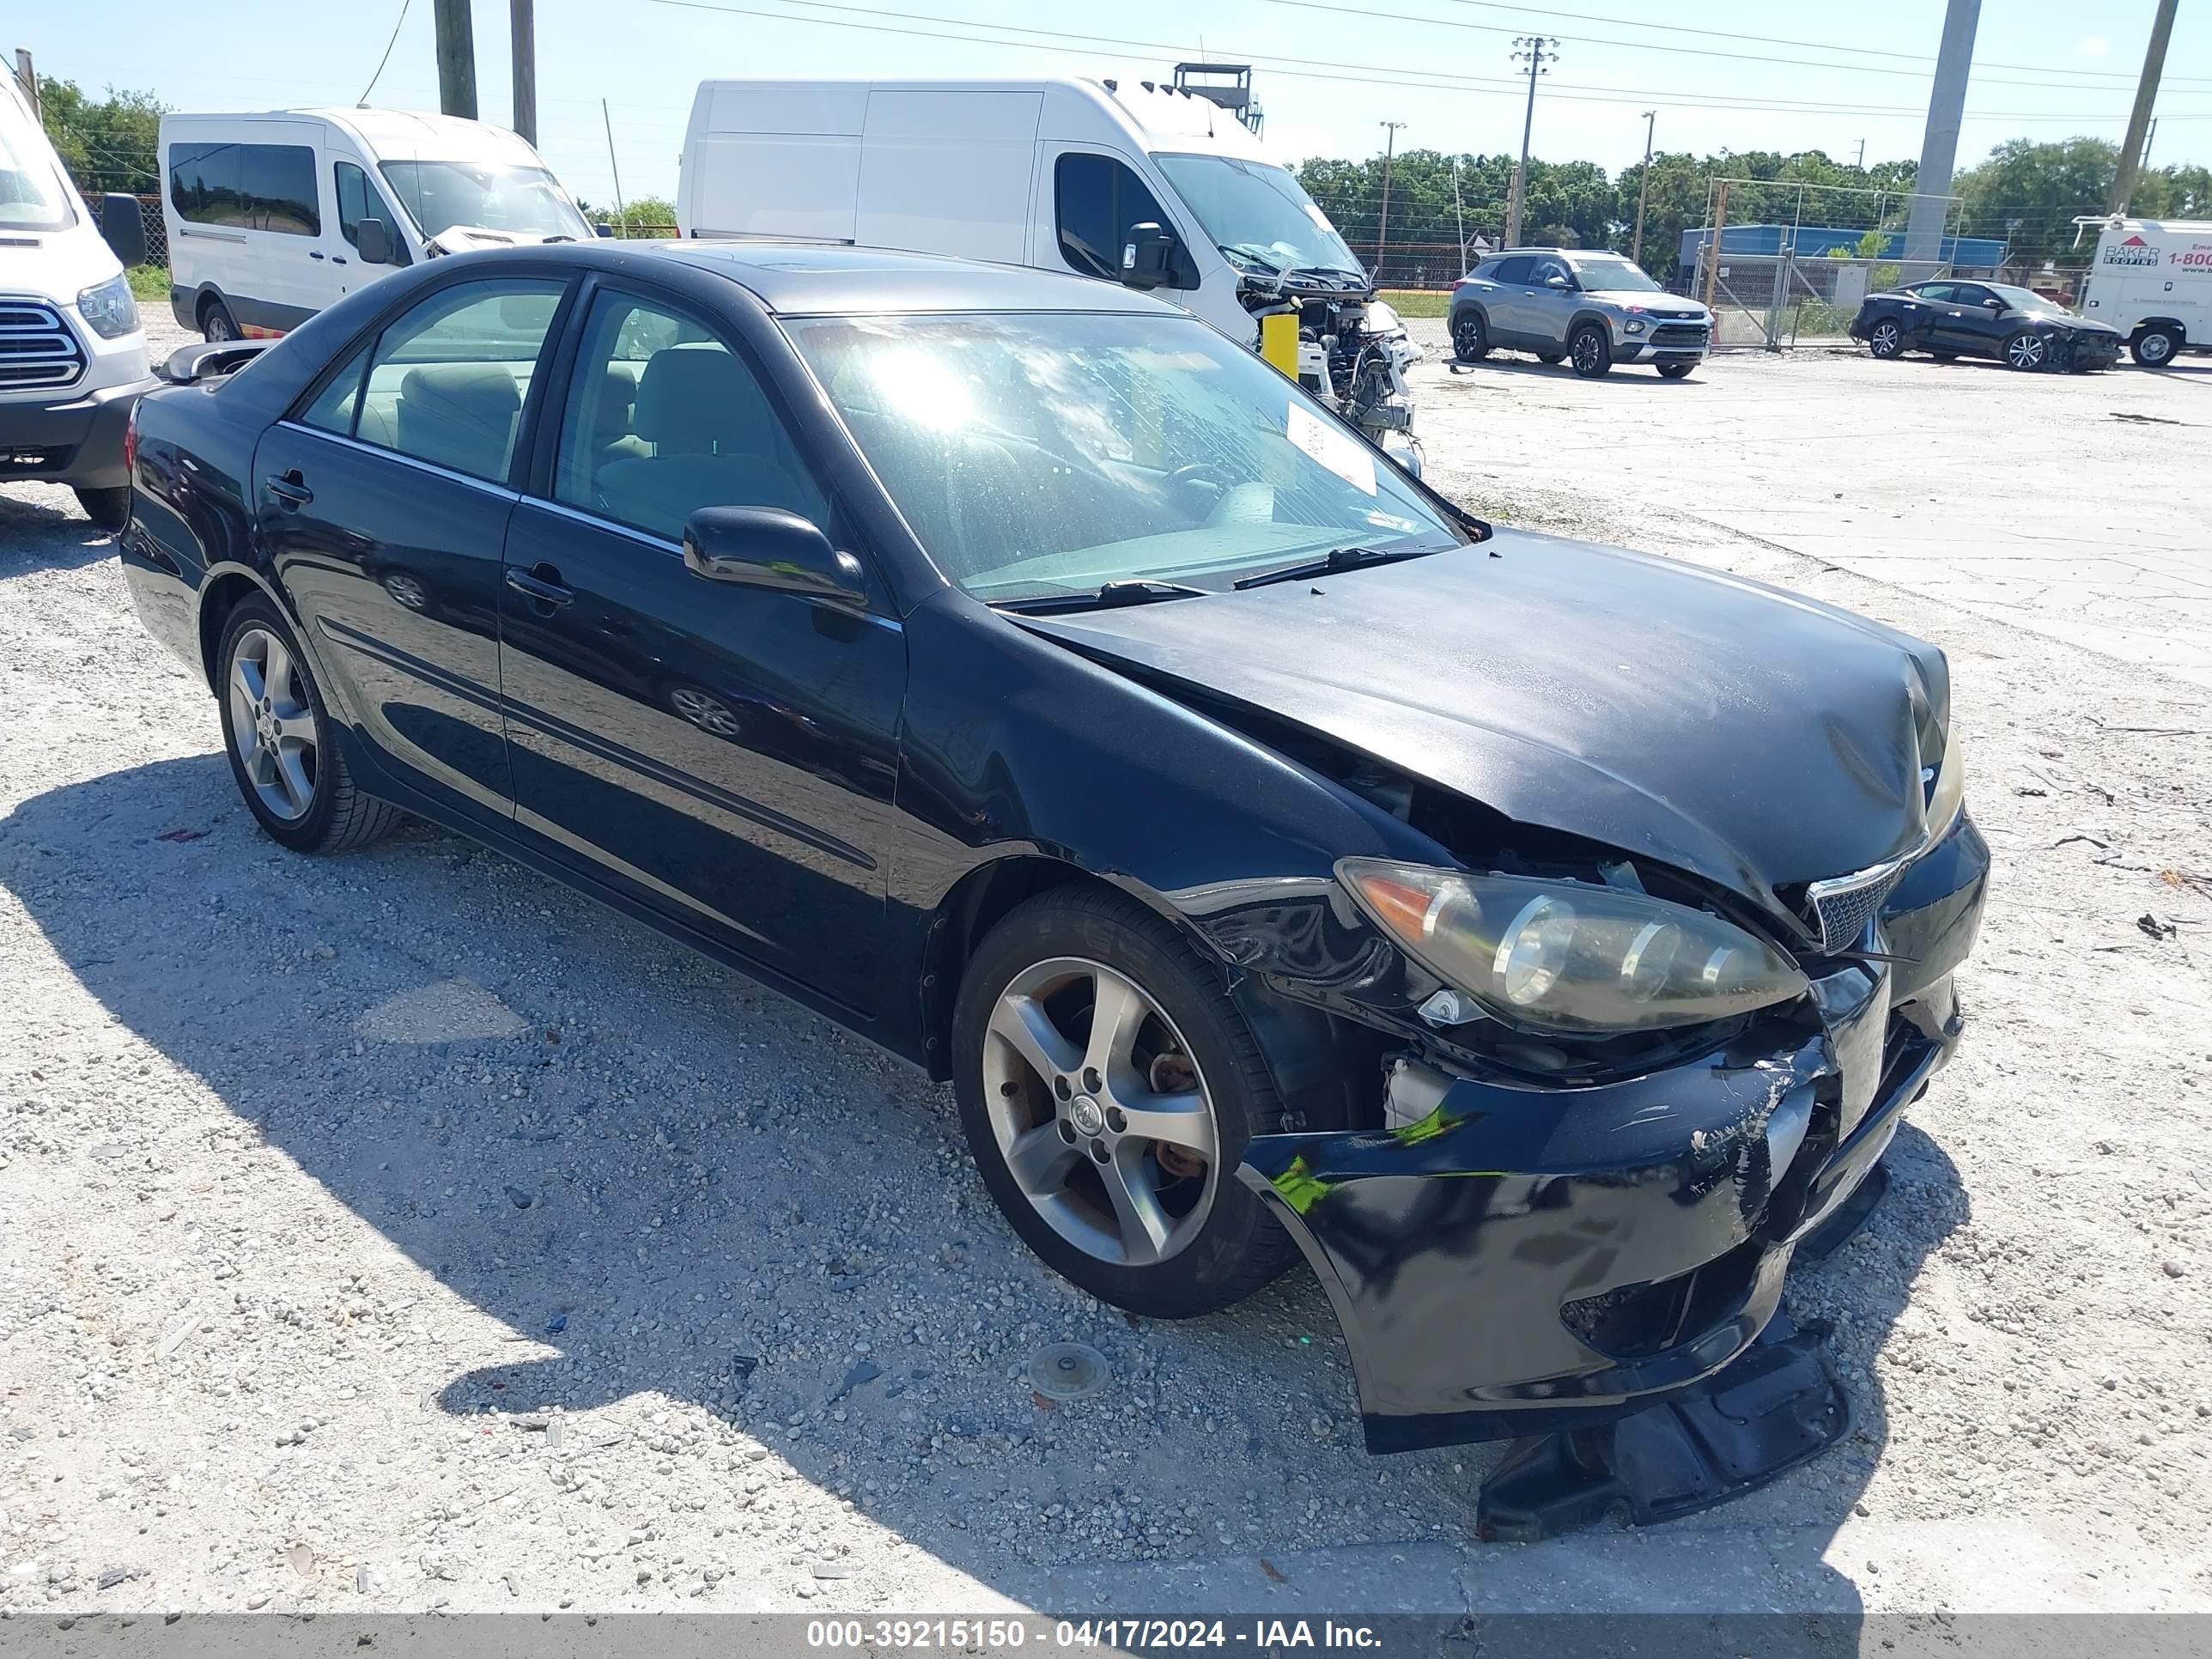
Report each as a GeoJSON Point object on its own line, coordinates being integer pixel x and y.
{"type": "Point", "coordinates": [1679, 334]}
{"type": "Point", "coordinates": [1677, 317]}
{"type": "Point", "coordinates": [1842, 907]}
{"type": "Point", "coordinates": [36, 346]}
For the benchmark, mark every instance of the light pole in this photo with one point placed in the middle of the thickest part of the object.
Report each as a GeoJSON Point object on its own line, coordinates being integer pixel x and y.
{"type": "Point", "coordinates": [1642, 188]}
{"type": "Point", "coordinates": [1537, 50]}
{"type": "Point", "coordinates": [1382, 231]}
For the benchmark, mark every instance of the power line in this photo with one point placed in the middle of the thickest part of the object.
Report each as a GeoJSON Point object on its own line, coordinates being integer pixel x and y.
{"type": "Point", "coordinates": [1380, 74]}
{"type": "Point", "coordinates": [387, 58]}
{"type": "Point", "coordinates": [1653, 46]}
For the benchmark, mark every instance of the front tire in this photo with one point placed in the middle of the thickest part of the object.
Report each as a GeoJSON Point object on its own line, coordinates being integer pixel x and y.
{"type": "Point", "coordinates": [2027, 351]}
{"type": "Point", "coordinates": [1675, 371]}
{"type": "Point", "coordinates": [282, 742]}
{"type": "Point", "coordinates": [1590, 351]}
{"type": "Point", "coordinates": [1470, 337]}
{"type": "Point", "coordinates": [1886, 339]}
{"type": "Point", "coordinates": [108, 508]}
{"type": "Point", "coordinates": [1112, 1149]}
{"type": "Point", "coordinates": [217, 325]}
{"type": "Point", "coordinates": [2154, 348]}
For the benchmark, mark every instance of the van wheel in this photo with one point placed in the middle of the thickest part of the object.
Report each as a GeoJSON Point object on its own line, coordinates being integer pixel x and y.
{"type": "Point", "coordinates": [1591, 351]}
{"type": "Point", "coordinates": [217, 325]}
{"type": "Point", "coordinates": [2154, 347]}
{"type": "Point", "coordinates": [108, 508]}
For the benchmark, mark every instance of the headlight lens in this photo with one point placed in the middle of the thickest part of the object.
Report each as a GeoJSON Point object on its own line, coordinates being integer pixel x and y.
{"type": "Point", "coordinates": [1948, 791]}
{"type": "Point", "coordinates": [109, 309]}
{"type": "Point", "coordinates": [1568, 956]}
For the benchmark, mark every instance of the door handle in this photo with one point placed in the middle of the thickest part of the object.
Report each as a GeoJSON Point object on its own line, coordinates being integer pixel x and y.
{"type": "Point", "coordinates": [541, 582]}
{"type": "Point", "coordinates": [337, 259]}
{"type": "Point", "coordinates": [314, 253]}
{"type": "Point", "coordinates": [291, 489]}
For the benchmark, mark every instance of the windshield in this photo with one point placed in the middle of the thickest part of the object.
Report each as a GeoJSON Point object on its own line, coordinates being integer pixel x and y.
{"type": "Point", "coordinates": [1050, 453]}
{"type": "Point", "coordinates": [31, 193]}
{"type": "Point", "coordinates": [1259, 214]}
{"type": "Point", "coordinates": [1613, 276]}
{"type": "Point", "coordinates": [2021, 299]}
{"type": "Point", "coordinates": [439, 195]}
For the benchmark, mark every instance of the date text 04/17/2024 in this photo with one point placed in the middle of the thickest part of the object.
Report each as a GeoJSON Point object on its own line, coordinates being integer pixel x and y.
{"type": "Point", "coordinates": [1122, 1635]}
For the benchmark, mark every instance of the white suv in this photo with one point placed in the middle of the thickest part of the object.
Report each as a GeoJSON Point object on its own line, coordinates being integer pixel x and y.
{"type": "Point", "coordinates": [1594, 309]}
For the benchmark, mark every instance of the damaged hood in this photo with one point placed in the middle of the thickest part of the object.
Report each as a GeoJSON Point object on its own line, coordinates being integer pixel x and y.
{"type": "Point", "coordinates": [1754, 737]}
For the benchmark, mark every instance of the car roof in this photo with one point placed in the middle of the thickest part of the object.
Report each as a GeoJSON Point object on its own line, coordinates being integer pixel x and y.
{"type": "Point", "coordinates": [795, 278]}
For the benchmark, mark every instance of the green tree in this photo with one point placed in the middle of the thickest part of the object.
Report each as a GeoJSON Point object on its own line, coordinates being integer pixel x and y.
{"type": "Point", "coordinates": [110, 144]}
{"type": "Point", "coordinates": [643, 215]}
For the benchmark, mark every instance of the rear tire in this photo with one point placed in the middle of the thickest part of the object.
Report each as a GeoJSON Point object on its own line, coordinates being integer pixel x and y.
{"type": "Point", "coordinates": [282, 742]}
{"type": "Point", "coordinates": [1945, 356]}
{"type": "Point", "coordinates": [1886, 339]}
{"type": "Point", "coordinates": [1551, 359]}
{"type": "Point", "coordinates": [1591, 351]}
{"type": "Point", "coordinates": [108, 508]}
{"type": "Point", "coordinates": [217, 325]}
{"type": "Point", "coordinates": [1034, 1090]}
{"type": "Point", "coordinates": [1675, 371]}
{"type": "Point", "coordinates": [1470, 336]}
{"type": "Point", "coordinates": [2155, 348]}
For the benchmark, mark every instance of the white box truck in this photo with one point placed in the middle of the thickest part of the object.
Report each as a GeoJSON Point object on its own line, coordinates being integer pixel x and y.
{"type": "Point", "coordinates": [1130, 182]}
{"type": "Point", "coordinates": [72, 354]}
{"type": "Point", "coordinates": [273, 216]}
{"type": "Point", "coordinates": [2152, 280]}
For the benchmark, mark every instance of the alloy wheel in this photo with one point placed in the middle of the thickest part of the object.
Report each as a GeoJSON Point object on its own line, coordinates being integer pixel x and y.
{"type": "Point", "coordinates": [273, 724]}
{"type": "Point", "coordinates": [1467, 340]}
{"type": "Point", "coordinates": [1885, 340]}
{"type": "Point", "coordinates": [1587, 347]}
{"type": "Point", "coordinates": [704, 710]}
{"type": "Point", "coordinates": [2025, 351]}
{"type": "Point", "coordinates": [1100, 1112]}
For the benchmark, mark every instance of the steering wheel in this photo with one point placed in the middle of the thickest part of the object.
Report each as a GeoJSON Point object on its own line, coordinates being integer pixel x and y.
{"type": "Point", "coordinates": [1198, 476]}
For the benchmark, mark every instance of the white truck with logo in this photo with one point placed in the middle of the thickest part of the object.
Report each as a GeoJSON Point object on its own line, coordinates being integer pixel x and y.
{"type": "Point", "coordinates": [2152, 280]}
{"type": "Point", "coordinates": [72, 354]}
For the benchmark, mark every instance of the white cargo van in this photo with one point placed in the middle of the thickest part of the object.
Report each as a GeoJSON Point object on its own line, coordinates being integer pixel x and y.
{"type": "Point", "coordinates": [72, 354]}
{"type": "Point", "coordinates": [273, 216]}
{"type": "Point", "coordinates": [1062, 175]}
{"type": "Point", "coordinates": [2152, 280]}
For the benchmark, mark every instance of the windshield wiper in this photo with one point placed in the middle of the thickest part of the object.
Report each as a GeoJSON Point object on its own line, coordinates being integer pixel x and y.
{"type": "Point", "coordinates": [1340, 559]}
{"type": "Point", "coordinates": [1127, 591]}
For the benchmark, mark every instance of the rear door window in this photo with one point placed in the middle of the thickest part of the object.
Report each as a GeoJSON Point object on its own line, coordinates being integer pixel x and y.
{"type": "Point", "coordinates": [1514, 269]}
{"type": "Point", "coordinates": [448, 379]}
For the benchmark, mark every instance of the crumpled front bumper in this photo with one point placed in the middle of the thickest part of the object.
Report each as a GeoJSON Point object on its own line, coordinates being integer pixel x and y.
{"type": "Point", "coordinates": [1529, 1259]}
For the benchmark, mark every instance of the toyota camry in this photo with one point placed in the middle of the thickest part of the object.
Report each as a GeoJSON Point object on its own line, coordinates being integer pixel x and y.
{"type": "Point", "coordinates": [1541, 940]}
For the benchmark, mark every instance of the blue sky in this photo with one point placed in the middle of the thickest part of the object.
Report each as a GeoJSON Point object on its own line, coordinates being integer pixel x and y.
{"type": "Point", "coordinates": [2045, 69]}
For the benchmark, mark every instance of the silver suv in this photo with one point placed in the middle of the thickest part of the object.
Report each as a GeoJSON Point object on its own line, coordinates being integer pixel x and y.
{"type": "Point", "coordinates": [1594, 309]}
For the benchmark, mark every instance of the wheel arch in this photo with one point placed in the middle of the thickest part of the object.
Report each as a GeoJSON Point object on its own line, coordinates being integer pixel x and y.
{"type": "Point", "coordinates": [1583, 318]}
{"type": "Point", "coordinates": [2143, 326]}
{"type": "Point", "coordinates": [225, 588]}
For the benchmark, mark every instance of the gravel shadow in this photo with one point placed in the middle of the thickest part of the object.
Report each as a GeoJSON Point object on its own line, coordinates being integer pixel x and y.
{"type": "Point", "coordinates": [660, 1180]}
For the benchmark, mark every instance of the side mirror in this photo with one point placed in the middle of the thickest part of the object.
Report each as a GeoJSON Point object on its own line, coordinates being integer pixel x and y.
{"type": "Point", "coordinates": [1147, 256]}
{"type": "Point", "coordinates": [122, 226]}
{"type": "Point", "coordinates": [603, 228]}
{"type": "Point", "coordinates": [766, 547]}
{"type": "Point", "coordinates": [1557, 280]}
{"type": "Point", "coordinates": [1994, 303]}
{"type": "Point", "coordinates": [373, 242]}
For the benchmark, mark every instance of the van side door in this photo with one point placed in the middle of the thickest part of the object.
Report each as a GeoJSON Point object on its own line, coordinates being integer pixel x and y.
{"type": "Point", "coordinates": [948, 172]}
{"type": "Point", "coordinates": [250, 204]}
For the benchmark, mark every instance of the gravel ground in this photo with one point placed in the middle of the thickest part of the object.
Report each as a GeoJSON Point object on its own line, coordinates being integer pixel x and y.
{"type": "Point", "coordinates": [402, 1231]}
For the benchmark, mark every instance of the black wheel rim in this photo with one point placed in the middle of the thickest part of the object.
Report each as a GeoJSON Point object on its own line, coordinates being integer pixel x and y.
{"type": "Point", "coordinates": [1467, 337]}
{"type": "Point", "coordinates": [1586, 350]}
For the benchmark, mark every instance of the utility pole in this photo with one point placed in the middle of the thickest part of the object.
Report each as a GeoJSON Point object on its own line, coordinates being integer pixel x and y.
{"type": "Point", "coordinates": [1382, 232]}
{"type": "Point", "coordinates": [2149, 139]}
{"type": "Point", "coordinates": [622, 213]}
{"type": "Point", "coordinates": [28, 75]}
{"type": "Point", "coordinates": [1459, 216]}
{"type": "Point", "coordinates": [1860, 164]}
{"type": "Point", "coordinates": [2162, 29]}
{"type": "Point", "coordinates": [1939, 144]}
{"type": "Point", "coordinates": [457, 59]}
{"type": "Point", "coordinates": [1538, 52]}
{"type": "Point", "coordinates": [1642, 188]}
{"type": "Point", "coordinates": [522, 35]}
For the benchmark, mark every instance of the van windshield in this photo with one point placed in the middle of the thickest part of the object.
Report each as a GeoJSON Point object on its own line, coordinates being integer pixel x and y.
{"type": "Point", "coordinates": [1042, 455]}
{"type": "Point", "coordinates": [529, 201]}
{"type": "Point", "coordinates": [31, 193]}
{"type": "Point", "coordinates": [1259, 215]}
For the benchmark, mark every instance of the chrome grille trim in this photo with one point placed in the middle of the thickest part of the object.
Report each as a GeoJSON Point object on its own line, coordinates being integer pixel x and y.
{"type": "Point", "coordinates": [37, 346]}
{"type": "Point", "coordinates": [1842, 906]}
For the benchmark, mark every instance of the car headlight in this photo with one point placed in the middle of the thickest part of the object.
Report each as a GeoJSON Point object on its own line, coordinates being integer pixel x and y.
{"type": "Point", "coordinates": [1947, 790]}
{"type": "Point", "coordinates": [1567, 957]}
{"type": "Point", "coordinates": [1635, 325]}
{"type": "Point", "coordinates": [108, 309]}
